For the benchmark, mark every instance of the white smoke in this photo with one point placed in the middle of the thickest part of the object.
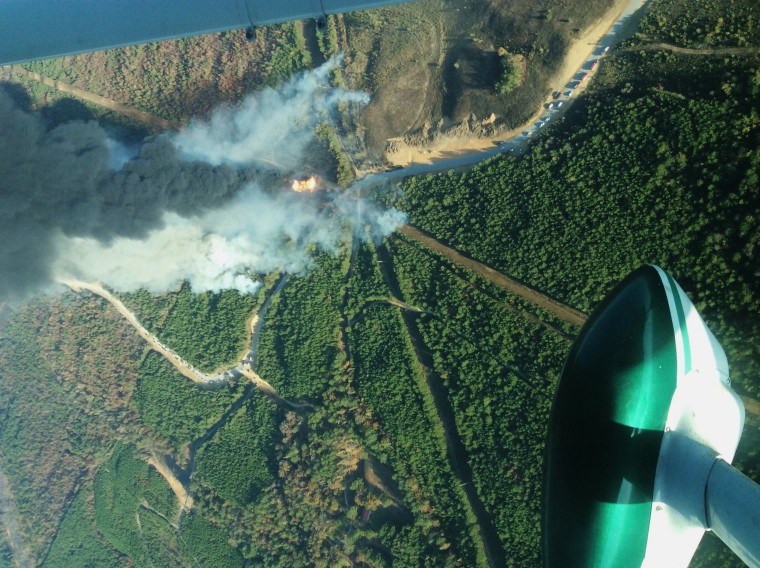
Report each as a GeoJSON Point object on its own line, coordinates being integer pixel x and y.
{"type": "Point", "coordinates": [273, 126]}
{"type": "Point", "coordinates": [257, 232]}
{"type": "Point", "coordinates": [212, 223]}
{"type": "Point", "coordinates": [120, 153]}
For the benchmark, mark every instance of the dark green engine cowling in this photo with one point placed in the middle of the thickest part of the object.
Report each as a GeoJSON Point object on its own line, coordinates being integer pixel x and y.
{"type": "Point", "coordinates": [606, 429]}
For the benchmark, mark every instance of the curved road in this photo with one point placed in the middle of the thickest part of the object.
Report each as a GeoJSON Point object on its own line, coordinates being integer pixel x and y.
{"type": "Point", "coordinates": [519, 142]}
{"type": "Point", "coordinates": [242, 369]}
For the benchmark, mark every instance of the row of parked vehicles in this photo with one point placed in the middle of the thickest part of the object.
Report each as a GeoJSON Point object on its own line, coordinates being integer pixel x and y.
{"type": "Point", "coordinates": [557, 103]}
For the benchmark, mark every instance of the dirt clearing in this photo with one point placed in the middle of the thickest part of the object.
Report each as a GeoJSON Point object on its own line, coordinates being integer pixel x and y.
{"type": "Point", "coordinates": [184, 498]}
{"type": "Point", "coordinates": [465, 140]}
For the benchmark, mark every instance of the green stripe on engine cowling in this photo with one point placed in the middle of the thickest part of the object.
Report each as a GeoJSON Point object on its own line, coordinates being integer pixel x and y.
{"type": "Point", "coordinates": [680, 313]}
{"type": "Point", "coordinates": [606, 428]}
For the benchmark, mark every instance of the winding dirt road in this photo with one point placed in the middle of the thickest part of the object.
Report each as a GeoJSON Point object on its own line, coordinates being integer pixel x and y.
{"type": "Point", "coordinates": [177, 362]}
{"type": "Point", "coordinates": [184, 498]}
{"type": "Point", "coordinates": [180, 364]}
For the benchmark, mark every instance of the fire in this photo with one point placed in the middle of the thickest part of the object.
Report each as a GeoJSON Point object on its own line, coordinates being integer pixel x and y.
{"type": "Point", "coordinates": [304, 186]}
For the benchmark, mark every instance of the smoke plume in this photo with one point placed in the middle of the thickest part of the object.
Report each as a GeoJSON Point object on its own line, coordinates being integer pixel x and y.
{"type": "Point", "coordinates": [188, 206]}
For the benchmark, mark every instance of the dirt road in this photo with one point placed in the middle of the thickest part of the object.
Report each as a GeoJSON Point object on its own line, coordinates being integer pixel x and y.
{"type": "Point", "coordinates": [709, 51]}
{"type": "Point", "coordinates": [151, 120]}
{"type": "Point", "coordinates": [270, 391]}
{"type": "Point", "coordinates": [183, 367]}
{"type": "Point", "coordinates": [613, 26]}
{"type": "Point", "coordinates": [180, 364]}
{"type": "Point", "coordinates": [562, 311]}
{"type": "Point", "coordinates": [441, 411]}
{"type": "Point", "coordinates": [257, 321]}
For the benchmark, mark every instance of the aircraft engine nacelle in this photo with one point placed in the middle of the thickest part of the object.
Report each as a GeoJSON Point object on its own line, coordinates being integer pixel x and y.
{"type": "Point", "coordinates": [37, 29]}
{"type": "Point", "coordinates": [643, 429]}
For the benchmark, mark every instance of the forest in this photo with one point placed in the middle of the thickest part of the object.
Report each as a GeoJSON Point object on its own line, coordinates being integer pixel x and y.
{"type": "Point", "coordinates": [411, 396]}
{"type": "Point", "coordinates": [645, 169]}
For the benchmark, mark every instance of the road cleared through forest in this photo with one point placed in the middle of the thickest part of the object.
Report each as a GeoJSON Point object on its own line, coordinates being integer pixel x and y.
{"type": "Point", "coordinates": [184, 498]}
{"type": "Point", "coordinates": [704, 51]}
{"type": "Point", "coordinates": [462, 151]}
{"type": "Point", "coordinates": [180, 364]}
{"type": "Point", "coordinates": [442, 412]}
{"type": "Point", "coordinates": [564, 312]}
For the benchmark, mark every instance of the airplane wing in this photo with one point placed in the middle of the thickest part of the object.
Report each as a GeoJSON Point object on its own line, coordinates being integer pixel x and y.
{"type": "Point", "coordinates": [40, 29]}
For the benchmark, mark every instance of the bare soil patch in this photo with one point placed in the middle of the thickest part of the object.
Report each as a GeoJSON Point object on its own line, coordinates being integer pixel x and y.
{"type": "Point", "coordinates": [405, 103]}
{"type": "Point", "coordinates": [184, 498]}
{"type": "Point", "coordinates": [476, 134]}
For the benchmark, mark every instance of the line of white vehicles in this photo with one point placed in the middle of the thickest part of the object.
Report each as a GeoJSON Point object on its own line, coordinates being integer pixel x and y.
{"type": "Point", "coordinates": [517, 144]}
{"type": "Point", "coordinates": [561, 96]}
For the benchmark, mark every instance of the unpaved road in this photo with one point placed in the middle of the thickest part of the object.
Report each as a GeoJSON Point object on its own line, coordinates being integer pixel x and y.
{"type": "Point", "coordinates": [180, 364]}
{"type": "Point", "coordinates": [183, 367]}
{"type": "Point", "coordinates": [144, 505]}
{"type": "Point", "coordinates": [449, 152]}
{"type": "Point", "coordinates": [257, 321]}
{"type": "Point", "coordinates": [9, 520]}
{"type": "Point", "coordinates": [270, 391]}
{"type": "Point", "coordinates": [442, 412]}
{"type": "Point", "coordinates": [562, 311]}
{"type": "Point", "coordinates": [710, 51]}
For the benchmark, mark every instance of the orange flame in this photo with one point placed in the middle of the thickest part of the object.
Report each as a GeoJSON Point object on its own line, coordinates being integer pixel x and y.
{"type": "Point", "coordinates": [304, 186]}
